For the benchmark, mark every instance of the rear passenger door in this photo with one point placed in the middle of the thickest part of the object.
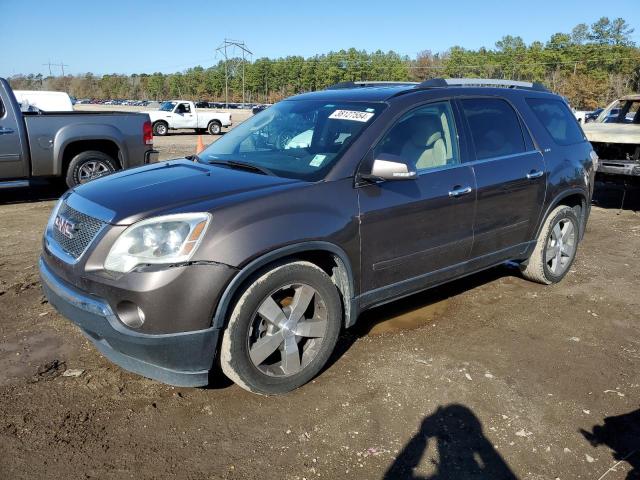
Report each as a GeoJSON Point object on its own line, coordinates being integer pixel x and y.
{"type": "Point", "coordinates": [510, 178]}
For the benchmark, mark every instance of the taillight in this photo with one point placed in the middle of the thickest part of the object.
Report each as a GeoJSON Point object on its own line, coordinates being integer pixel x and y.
{"type": "Point", "coordinates": [147, 133]}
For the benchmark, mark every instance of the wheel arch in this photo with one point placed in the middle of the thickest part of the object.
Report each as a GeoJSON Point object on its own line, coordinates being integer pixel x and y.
{"type": "Point", "coordinates": [108, 147]}
{"type": "Point", "coordinates": [328, 256]}
{"type": "Point", "coordinates": [574, 197]}
{"type": "Point", "coordinates": [73, 139]}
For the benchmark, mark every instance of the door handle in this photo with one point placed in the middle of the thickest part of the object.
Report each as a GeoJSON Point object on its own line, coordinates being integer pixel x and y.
{"type": "Point", "coordinates": [458, 192]}
{"type": "Point", "coordinates": [5, 130]}
{"type": "Point", "coordinates": [534, 174]}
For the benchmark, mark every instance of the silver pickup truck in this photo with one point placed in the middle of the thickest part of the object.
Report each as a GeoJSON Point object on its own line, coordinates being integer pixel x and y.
{"type": "Point", "coordinates": [77, 146]}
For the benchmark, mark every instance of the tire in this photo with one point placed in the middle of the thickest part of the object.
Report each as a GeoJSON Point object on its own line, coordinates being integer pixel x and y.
{"type": "Point", "coordinates": [160, 129]}
{"type": "Point", "coordinates": [214, 127]}
{"type": "Point", "coordinates": [89, 165]}
{"type": "Point", "coordinates": [551, 260]}
{"type": "Point", "coordinates": [249, 338]}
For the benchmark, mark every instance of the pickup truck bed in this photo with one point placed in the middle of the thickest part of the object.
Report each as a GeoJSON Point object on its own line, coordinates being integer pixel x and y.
{"type": "Point", "coordinates": [71, 145]}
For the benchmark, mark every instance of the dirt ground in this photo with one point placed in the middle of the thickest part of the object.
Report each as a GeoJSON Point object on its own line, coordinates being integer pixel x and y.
{"type": "Point", "coordinates": [489, 377]}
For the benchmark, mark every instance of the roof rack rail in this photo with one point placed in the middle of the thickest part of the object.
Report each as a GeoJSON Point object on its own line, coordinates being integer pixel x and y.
{"type": "Point", "coordinates": [375, 83]}
{"type": "Point", "coordinates": [481, 82]}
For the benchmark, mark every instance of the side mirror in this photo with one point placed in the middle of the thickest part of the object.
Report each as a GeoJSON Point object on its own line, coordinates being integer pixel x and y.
{"type": "Point", "coordinates": [390, 167]}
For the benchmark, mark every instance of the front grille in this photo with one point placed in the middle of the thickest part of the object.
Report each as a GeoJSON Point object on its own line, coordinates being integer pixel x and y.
{"type": "Point", "coordinates": [86, 229]}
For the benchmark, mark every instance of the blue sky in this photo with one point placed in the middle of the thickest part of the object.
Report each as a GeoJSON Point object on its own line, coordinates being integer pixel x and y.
{"type": "Point", "coordinates": [144, 36]}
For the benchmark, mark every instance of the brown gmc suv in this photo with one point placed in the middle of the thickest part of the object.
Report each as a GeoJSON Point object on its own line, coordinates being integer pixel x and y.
{"type": "Point", "coordinates": [256, 253]}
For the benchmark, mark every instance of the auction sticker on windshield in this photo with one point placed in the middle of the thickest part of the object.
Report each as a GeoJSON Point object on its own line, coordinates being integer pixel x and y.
{"type": "Point", "coordinates": [354, 115]}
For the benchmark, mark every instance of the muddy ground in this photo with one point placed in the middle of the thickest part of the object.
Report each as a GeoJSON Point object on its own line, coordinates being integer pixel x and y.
{"type": "Point", "coordinates": [489, 377]}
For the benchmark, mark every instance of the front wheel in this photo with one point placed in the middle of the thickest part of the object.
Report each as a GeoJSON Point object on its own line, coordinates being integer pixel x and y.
{"type": "Point", "coordinates": [556, 247]}
{"type": "Point", "coordinates": [88, 166]}
{"type": "Point", "coordinates": [282, 329]}
{"type": "Point", "coordinates": [160, 129]}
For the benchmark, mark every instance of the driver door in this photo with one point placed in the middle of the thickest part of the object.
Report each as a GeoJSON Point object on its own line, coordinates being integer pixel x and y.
{"type": "Point", "coordinates": [413, 231]}
{"type": "Point", "coordinates": [183, 117]}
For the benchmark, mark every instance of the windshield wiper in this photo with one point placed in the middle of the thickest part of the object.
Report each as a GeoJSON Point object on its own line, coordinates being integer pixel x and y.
{"type": "Point", "coordinates": [243, 166]}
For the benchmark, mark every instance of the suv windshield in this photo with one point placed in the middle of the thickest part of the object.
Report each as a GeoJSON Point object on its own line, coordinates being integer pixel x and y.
{"type": "Point", "coordinates": [296, 138]}
{"type": "Point", "coordinates": [167, 106]}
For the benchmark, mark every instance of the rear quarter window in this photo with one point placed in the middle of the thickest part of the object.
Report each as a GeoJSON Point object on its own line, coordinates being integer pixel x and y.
{"type": "Point", "coordinates": [557, 119]}
{"type": "Point", "coordinates": [494, 126]}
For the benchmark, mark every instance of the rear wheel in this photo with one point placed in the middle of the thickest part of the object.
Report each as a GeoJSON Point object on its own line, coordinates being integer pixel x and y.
{"type": "Point", "coordinates": [88, 166]}
{"type": "Point", "coordinates": [215, 127]}
{"type": "Point", "coordinates": [556, 247]}
{"type": "Point", "coordinates": [282, 330]}
{"type": "Point", "coordinates": [160, 129]}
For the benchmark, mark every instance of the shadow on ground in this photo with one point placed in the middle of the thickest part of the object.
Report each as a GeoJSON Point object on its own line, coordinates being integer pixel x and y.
{"type": "Point", "coordinates": [622, 435]}
{"type": "Point", "coordinates": [614, 196]}
{"type": "Point", "coordinates": [420, 308]}
{"type": "Point", "coordinates": [463, 452]}
{"type": "Point", "coordinates": [41, 192]}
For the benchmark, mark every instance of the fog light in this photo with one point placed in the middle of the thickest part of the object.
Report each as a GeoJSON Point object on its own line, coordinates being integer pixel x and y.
{"type": "Point", "coordinates": [130, 314]}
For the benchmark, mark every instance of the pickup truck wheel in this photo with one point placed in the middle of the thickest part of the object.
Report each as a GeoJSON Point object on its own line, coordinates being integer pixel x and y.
{"type": "Point", "coordinates": [214, 127]}
{"type": "Point", "coordinates": [282, 329]}
{"type": "Point", "coordinates": [556, 247]}
{"type": "Point", "coordinates": [88, 166]}
{"type": "Point", "coordinates": [160, 129]}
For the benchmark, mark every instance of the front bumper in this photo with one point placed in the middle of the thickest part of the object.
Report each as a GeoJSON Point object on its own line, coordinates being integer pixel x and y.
{"type": "Point", "coordinates": [619, 167]}
{"type": "Point", "coordinates": [181, 359]}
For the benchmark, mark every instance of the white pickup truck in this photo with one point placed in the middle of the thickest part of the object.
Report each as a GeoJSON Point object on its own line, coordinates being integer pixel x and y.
{"type": "Point", "coordinates": [176, 114]}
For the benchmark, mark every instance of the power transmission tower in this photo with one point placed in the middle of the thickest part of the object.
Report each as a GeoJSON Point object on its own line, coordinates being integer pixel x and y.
{"type": "Point", "coordinates": [64, 79]}
{"type": "Point", "coordinates": [223, 50]}
{"type": "Point", "coordinates": [49, 65]}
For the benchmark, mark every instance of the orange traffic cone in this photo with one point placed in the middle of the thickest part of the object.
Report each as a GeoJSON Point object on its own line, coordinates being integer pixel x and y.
{"type": "Point", "coordinates": [199, 145]}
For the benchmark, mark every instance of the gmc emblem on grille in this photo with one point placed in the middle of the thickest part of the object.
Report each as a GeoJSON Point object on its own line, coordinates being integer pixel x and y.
{"type": "Point", "coordinates": [64, 226]}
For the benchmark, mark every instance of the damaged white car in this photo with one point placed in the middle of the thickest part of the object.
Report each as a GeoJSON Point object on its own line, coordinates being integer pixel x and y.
{"type": "Point", "coordinates": [616, 140]}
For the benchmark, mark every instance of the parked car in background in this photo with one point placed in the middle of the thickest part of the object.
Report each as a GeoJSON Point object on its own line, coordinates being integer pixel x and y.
{"type": "Point", "coordinates": [177, 114]}
{"type": "Point", "coordinates": [261, 251]}
{"type": "Point", "coordinates": [259, 108]}
{"type": "Point", "coordinates": [591, 116]}
{"type": "Point", "coordinates": [581, 115]}
{"type": "Point", "coordinates": [45, 101]}
{"type": "Point", "coordinates": [615, 136]}
{"type": "Point", "coordinates": [77, 146]}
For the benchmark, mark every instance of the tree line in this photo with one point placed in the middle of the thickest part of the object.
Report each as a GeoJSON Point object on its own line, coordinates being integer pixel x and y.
{"type": "Point", "coordinates": [590, 66]}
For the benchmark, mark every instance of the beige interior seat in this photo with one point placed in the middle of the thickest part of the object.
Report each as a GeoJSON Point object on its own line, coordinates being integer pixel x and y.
{"type": "Point", "coordinates": [426, 148]}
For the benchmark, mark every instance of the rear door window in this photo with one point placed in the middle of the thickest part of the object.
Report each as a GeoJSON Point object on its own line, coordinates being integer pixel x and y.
{"type": "Point", "coordinates": [495, 127]}
{"type": "Point", "coordinates": [557, 119]}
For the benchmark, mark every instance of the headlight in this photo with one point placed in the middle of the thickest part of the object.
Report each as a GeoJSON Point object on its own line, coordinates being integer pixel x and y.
{"type": "Point", "coordinates": [158, 240]}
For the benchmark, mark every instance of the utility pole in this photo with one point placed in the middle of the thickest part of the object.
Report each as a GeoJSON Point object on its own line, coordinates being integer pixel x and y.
{"type": "Point", "coordinates": [223, 49]}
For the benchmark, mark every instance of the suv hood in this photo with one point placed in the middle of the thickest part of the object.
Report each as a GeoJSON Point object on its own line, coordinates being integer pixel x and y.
{"type": "Point", "coordinates": [612, 132]}
{"type": "Point", "coordinates": [174, 186]}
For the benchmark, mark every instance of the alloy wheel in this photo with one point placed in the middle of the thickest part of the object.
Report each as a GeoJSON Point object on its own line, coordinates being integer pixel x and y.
{"type": "Point", "coordinates": [92, 170]}
{"type": "Point", "coordinates": [561, 246]}
{"type": "Point", "coordinates": [288, 330]}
